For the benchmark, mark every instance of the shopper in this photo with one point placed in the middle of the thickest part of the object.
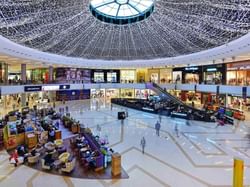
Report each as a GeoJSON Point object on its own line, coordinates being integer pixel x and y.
{"type": "Point", "coordinates": [98, 129]}
{"type": "Point", "coordinates": [143, 144]}
{"type": "Point", "coordinates": [51, 136]}
{"type": "Point", "coordinates": [97, 105]}
{"type": "Point", "coordinates": [157, 128]}
{"type": "Point", "coordinates": [176, 130]}
{"type": "Point", "coordinates": [160, 118]}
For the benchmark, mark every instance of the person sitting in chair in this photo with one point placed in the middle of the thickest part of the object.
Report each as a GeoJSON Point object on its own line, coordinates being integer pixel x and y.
{"type": "Point", "coordinates": [48, 159]}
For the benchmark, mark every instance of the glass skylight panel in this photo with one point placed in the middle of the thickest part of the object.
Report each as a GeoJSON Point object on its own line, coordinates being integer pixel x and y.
{"type": "Point", "coordinates": [125, 11]}
{"type": "Point", "coordinates": [124, 8]}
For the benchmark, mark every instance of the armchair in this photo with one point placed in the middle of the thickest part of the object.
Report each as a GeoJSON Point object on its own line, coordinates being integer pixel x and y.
{"type": "Point", "coordinates": [69, 166]}
{"type": "Point", "coordinates": [33, 159]}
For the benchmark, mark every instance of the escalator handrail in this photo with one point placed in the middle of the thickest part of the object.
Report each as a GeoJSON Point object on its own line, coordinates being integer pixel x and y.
{"type": "Point", "coordinates": [174, 98]}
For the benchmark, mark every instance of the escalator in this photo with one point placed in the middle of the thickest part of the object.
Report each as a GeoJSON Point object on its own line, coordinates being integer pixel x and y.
{"type": "Point", "coordinates": [165, 96]}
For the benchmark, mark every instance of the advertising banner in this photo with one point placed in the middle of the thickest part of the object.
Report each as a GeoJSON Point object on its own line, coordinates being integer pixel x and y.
{"type": "Point", "coordinates": [72, 75]}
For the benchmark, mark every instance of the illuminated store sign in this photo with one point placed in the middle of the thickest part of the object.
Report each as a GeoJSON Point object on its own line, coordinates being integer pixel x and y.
{"type": "Point", "coordinates": [191, 68]}
{"type": "Point", "coordinates": [211, 69]}
{"type": "Point", "coordinates": [50, 88]}
{"type": "Point", "coordinates": [32, 88]}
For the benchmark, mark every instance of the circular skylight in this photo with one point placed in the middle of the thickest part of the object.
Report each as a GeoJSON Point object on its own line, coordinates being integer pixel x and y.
{"type": "Point", "coordinates": [121, 11]}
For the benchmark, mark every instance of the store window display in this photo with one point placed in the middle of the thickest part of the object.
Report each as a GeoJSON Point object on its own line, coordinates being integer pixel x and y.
{"type": "Point", "coordinates": [237, 102]}
{"type": "Point", "coordinates": [177, 77]}
{"type": "Point", "coordinates": [128, 76]}
{"type": "Point", "coordinates": [127, 93]}
{"type": "Point", "coordinates": [213, 77]}
{"type": "Point", "coordinates": [238, 73]}
{"type": "Point", "coordinates": [39, 76]}
{"type": "Point", "coordinates": [193, 98]}
{"type": "Point", "coordinates": [112, 93]}
{"type": "Point", "coordinates": [98, 77]}
{"type": "Point", "coordinates": [141, 94]}
{"type": "Point", "coordinates": [97, 93]}
{"type": "Point", "coordinates": [191, 78]}
{"type": "Point", "coordinates": [165, 76]}
{"type": "Point", "coordinates": [111, 77]}
{"type": "Point", "coordinates": [214, 74]}
{"type": "Point", "coordinates": [154, 77]}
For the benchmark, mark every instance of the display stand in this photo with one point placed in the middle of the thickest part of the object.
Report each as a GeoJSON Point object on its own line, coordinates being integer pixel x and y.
{"type": "Point", "coordinates": [58, 134]}
{"type": "Point", "coordinates": [31, 140]}
{"type": "Point", "coordinates": [116, 164]}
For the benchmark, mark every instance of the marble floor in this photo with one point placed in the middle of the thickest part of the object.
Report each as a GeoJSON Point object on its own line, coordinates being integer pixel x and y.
{"type": "Point", "coordinates": [191, 154]}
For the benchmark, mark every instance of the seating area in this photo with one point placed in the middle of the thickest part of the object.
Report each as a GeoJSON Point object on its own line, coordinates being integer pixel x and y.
{"type": "Point", "coordinates": [42, 147]}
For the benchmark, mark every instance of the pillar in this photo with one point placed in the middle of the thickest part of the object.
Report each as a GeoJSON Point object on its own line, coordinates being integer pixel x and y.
{"type": "Point", "coordinates": [238, 173]}
{"type": "Point", "coordinates": [226, 100]}
{"type": "Point", "coordinates": [51, 69]}
{"type": "Point", "coordinates": [6, 73]}
{"type": "Point", "coordinates": [23, 73]}
{"type": "Point", "coordinates": [23, 99]}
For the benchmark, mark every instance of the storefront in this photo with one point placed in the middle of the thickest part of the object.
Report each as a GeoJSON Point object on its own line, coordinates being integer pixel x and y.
{"type": "Point", "coordinates": [237, 102]}
{"type": "Point", "coordinates": [67, 95]}
{"type": "Point", "coordinates": [127, 93]}
{"type": "Point", "coordinates": [128, 76]}
{"type": "Point", "coordinates": [97, 93]}
{"type": "Point", "coordinates": [14, 77]}
{"type": "Point", "coordinates": [113, 76]}
{"type": "Point", "coordinates": [214, 74]}
{"type": "Point", "coordinates": [165, 75]}
{"type": "Point", "coordinates": [112, 93]}
{"type": "Point", "coordinates": [213, 99]}
{"type": "Point", "coordinates": [238, 73]}
{"type": "Point", "coordinates": [142, 94]}
{"type": "Point", "coordinates": [105, 76]}
{"type": "Point", "coordinates": [38, 75]}
{"type": "Point", "coordinates": [142, 75]}
{"type": "Point", "coordinates": [154, 75]}
{"type": "Point", "coordinates": [187, 75]}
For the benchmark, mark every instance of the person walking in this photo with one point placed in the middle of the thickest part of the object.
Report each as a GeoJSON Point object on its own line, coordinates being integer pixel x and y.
{"type": "Point", "coordinates": [157, 128]}
{"type": "Point", "coordinates": [96, 105]}
{"type": "Point", "coordinates": [160, 117]}
{"type": "Point", "coordinates": [67, 109]}
{"type": "Point", "coordinates": [176, 130]}
{"type": "Point", "coordinates": [143, 144]}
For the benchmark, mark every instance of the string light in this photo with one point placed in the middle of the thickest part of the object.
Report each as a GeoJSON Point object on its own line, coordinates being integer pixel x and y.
{"type": "Point", "coordinates": [176, 27]}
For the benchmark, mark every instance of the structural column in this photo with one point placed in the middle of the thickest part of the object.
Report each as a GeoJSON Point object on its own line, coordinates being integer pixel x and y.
{"type": "Point", "coordinates": [23, 99]}
{"type": "Point", "coordinates": [6, 73]}
{"type": "Point", "coordinates": [23, 73]}
{"type": "Point", "coordinates": [51, 69]}
{"type": "Point", "coordinates": [226, 100]}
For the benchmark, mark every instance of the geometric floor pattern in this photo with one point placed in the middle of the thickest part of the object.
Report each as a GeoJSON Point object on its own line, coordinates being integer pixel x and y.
{"type": "Point", "coordinates": [191, 154]}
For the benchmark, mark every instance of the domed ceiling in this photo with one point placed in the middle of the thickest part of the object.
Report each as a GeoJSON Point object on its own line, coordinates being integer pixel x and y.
{"type": "Point", "coordinates": [174, 28]}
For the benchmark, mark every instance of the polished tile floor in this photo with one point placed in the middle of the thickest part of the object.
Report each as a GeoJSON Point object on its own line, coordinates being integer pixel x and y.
{"type": "Point", "coordinates": [185, 154]}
